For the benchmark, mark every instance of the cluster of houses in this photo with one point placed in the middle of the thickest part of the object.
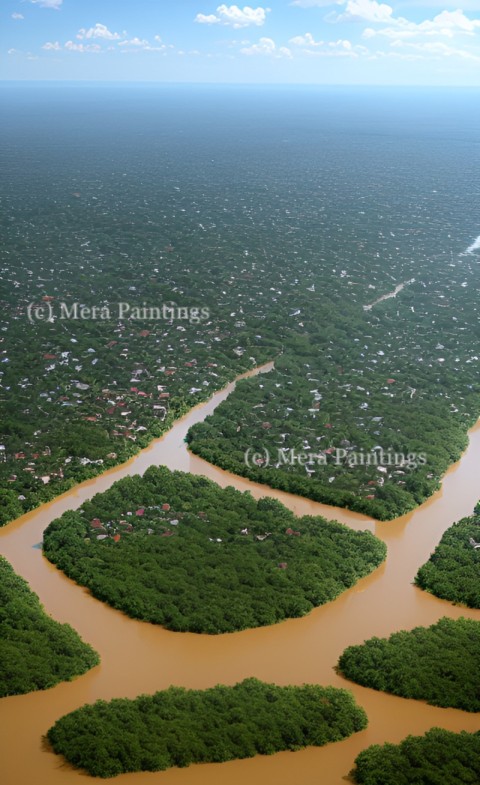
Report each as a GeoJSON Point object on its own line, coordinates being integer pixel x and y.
{"type": "Point", "coordinates": [138, 395]}
{"type": "Point", "coordinates": [153, 519]}
{"type": "Point", "coordinates": [26, 461]}
{"type": "Point", "coordinates": [161, 521]}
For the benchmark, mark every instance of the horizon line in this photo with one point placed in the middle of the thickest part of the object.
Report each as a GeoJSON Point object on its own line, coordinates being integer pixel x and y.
{"type": "Point", "coordinates": [158, 83]}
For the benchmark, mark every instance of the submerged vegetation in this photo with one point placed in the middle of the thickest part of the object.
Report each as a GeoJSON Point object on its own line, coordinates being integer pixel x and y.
{"type": "Point", "coordinates": [437, 664]}
{"type": "Point", "coordinates": [178, 550]}
{"type": "Point", "coordinates": [439, 757]}
{"type": "Point", "coordinates": [178, 727]}
{"type": "Point", "coordinates": [36, 652]}
{"type": "Point", "coordinates": [453, 570]}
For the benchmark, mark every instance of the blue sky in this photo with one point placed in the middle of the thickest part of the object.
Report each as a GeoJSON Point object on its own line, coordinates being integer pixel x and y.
{"type": "Point", "coordinates": [280, 41]}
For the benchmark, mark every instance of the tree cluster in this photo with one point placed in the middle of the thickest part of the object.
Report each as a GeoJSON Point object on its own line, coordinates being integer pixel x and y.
{"type": "Point", "coordinates": [177, 550]}
{"type": "Point", "coordinates": [437, 664]}
{"type": "Point", "coordinates": [440, 757]}
{"type": "Point", "coordinates": [178, 727]}
{"type": "Point", "coordinates": [453, 570]}
{"type": "Point", "coordinates": [36, 652]}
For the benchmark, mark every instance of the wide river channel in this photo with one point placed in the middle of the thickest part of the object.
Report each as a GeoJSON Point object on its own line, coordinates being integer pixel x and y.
{"type": "Point", "coordinates": [137, 657]}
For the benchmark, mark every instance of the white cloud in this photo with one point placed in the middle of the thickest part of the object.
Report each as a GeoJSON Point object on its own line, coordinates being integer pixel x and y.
{"type": "Point", "coordinates": [71, 46]}
{"type": "Point", "coordinates": [207, 19]}
{"type": "Point", "coordinates": [305, 40]}
{"type": "Point", "coordinates": [453, 20]}
{"type": "Point", "coordinates": [136, 42]}
{"type": "Point", "coordinates": [446, 24]}
{"type": "Point", "coordinates": [364, 10]}
{"type": "Point", "coordinates": [234, 16]}
{"type": "Point", "coordinates": [47, 3]}
{"type": "Point", "coordinates": [82, 48]}
{"type": "Point", "coordinates": [436, 49]}
{"type": "Point", "coordinates": [467, 5]}
{"type": "Point", "coordinates": [142, 45]}
{"type": "Point", "coordinates": [340, 48]}
{"type": "Point", "coordinates": [99, 31]}
{"type": "Point", "coordinates": [266, 46]}
{"type": "Point", "coordinates": [14, 52]}
{"type": "Point", "coordinates": [17, 16]}
{"type": "Point", "coordinates": [316, 3]}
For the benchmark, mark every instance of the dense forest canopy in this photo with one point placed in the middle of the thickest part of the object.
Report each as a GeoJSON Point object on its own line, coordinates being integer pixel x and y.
{"type": "Point", "coordinates": [178, 727]}
{"type": "Point", "coordinates": [379, 436]}
{"type": "Point", "coordinates": [177, 550]}
{"type": "Point", "coordinates": [36, 652]}
{"type": "Point", "coordinates": [287, 253]}
{"type": "Point", "coordinates": [438, 758]}
{"type": "Point", "coordinates": [453, 570]}
{"type": "Point", "coordinates": [437, 664]}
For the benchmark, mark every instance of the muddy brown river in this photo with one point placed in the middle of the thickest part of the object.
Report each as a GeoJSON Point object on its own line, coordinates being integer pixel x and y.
{"type": "Point", "coordinates": [140, 658]}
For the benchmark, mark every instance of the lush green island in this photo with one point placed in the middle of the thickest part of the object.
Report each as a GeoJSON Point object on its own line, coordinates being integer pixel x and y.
{"type": "Point", "coordinates": [439, 757]}
{"type": "Point", "coordinates": [437, 664]}
{"type": "Point", "coordinates": [178, 550]}
{"type": "Point", "coordinates": [36, 652]}
{"type": "Point", "coordinates": [453, 570]}
{"type": "Point", "coordinates": [177, 727]}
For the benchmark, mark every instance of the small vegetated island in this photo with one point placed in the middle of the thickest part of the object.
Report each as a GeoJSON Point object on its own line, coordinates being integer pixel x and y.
{"type": "Point", "coordinates": [177, 727]}
{"type": "Point", "coordinates": [453, 570]}
{"type": "Point", "coordinates": [177, 550]}
{"type": "Point", "coordinates": [438, 757]}
{"type": "Point", "coordinates": [36, 652]}
{"type": "Point", "coordinates": [437, 664]}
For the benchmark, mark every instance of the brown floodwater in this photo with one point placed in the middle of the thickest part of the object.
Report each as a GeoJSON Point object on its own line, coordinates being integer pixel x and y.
{"type": "Point", "coordinates": [141, 658]}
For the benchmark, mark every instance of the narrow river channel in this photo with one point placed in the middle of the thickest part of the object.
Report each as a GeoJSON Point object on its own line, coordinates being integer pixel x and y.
{"type": "Point", "coordinates": [141, 658]}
